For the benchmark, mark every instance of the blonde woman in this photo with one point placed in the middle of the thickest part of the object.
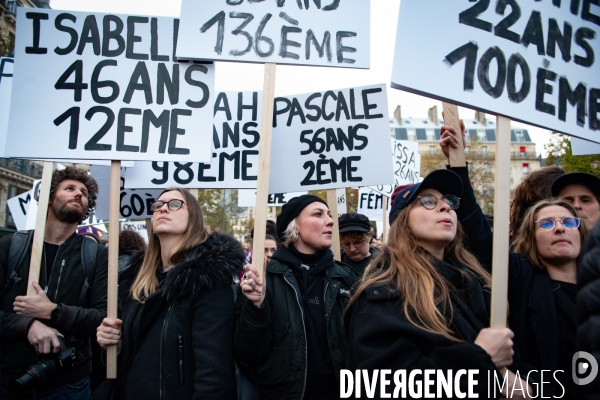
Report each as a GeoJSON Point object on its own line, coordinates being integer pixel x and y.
{"type": "Point", "coordinates": [176, 331]}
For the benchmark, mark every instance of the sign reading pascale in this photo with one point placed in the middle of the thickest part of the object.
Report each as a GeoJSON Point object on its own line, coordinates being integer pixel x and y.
{"type": "Point", "coordinates": [328, 33]}
{"type": "Point", "coordinates": [532, 61]}
{"type": "Point", "coordinates": [106, 86]}
{"type": "Point", "coordinates": [329, 140]}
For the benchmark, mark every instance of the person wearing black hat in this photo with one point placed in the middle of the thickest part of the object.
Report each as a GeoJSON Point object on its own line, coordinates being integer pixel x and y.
{"type": "Point", "coordinates": [583, 192]}
{"type": "Point", "coordinates": [289, 336]}
{"type": "Point", "coordinates": [425, 302]}
{"type": "Point", "coordinates": [355, 236]}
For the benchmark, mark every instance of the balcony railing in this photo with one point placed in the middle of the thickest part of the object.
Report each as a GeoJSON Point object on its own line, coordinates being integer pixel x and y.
{"type": "Point", "coordinates": [24, 166]}
{"type": "Point", "coordinates": [527, 154]}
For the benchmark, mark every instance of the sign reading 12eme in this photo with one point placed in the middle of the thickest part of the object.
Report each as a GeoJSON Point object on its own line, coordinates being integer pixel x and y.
{"type": "Point", "coordinates": [106, 86]}
{"type": "Point", "coordinates": [532, 61]}
{"type": "Point", "coordinates": [331, 33]}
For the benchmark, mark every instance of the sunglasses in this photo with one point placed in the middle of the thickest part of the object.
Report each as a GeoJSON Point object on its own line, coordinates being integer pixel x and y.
{"type": "Point", "coordinates": [430, 202]}
{"type": "Point", "coordinates": [548, 224]}
{"type": "Point", "coordinates": [172, 205]}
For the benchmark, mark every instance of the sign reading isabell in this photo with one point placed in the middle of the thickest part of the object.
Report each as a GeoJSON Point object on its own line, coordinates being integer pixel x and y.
{"type": "Point", "coordinates": [105, 86]}
{"type": "Point", "coordinates": [532, 61]}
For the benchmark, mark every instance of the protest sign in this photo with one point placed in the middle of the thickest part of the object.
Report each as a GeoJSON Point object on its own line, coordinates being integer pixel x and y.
{"type": "Point", "coordinates": [6, 74]}
{"type": "Point", "coordinates": [532, 61]}
{"type": "Point", "coordinates": [110, 89]}
{"type": "Point", "coordinates": [370, 203]}
{"type": "Point", "coordinates": [407, 166]}
{"type": "Point", "coordinates": [247, 198]}
{"type": "Point", "coordinates": [134, 203]}
{"type": "Point", "coordinates": [583, 147]}
{"type": "Point", "coordinates": [341, 201]}
{"type": "Point", "coordinates": [19, 206]}
{"type": "Point", "coordinates": [235, 141]}
{"type": "Point", "coordinates": [316, 32]}
{"type": "Point", "coordinates": [136, 226]}
{"type": "Point", "coordinates": [330, 140]}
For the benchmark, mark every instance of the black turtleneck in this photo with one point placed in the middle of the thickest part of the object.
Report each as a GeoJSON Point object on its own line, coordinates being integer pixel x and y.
{"type": "Point", "coordinates": [310, 274]}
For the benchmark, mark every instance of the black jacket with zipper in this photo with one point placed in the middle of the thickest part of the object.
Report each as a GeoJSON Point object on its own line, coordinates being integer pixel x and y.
{"type": "Point", "coordinates": [271, 343]}
{"type": "Point", "coordinates": [64, 285]}
{"type": "Point", "coordinates": [178, 344]}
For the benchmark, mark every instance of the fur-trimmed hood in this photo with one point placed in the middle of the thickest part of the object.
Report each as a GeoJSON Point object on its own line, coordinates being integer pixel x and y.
{"type": "Point", "coordinates": [212, 263]}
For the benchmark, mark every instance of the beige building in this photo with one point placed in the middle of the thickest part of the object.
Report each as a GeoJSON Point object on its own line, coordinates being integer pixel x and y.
{"type": "Point", "coordinates": [480, 138]}
{"type": "Point", "coordinates": [16, 176]}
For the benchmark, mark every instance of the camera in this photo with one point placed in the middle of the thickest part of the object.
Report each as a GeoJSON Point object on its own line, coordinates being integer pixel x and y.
{"type": "Point", "coordinates": [45, 369]}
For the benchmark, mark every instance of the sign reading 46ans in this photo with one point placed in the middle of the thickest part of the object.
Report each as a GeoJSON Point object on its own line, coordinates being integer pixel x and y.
{"type": "Point", "coordinates": [111, 89]}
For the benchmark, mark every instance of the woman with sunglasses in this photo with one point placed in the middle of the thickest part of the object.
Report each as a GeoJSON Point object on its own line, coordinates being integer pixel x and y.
{"type": "Point", "coordinates": [541, 282]}
{"type": "Point", "coordinates": [425, 304]}
{"type": "Point", "coordinates": [176, 333]}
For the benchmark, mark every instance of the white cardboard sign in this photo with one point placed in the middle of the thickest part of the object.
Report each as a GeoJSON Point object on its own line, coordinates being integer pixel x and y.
{"type": "Point", "coordinates": [235, 141]}
{"type": "Point", "coordinates": [6, 74]}
{"type": "Point", "coordinates": [407, 166]}
{"type": "Point", "coordinates": [247, 198]}
{"type": "Point", "coordinates": [329, 140]}
{"type": "Point", "coordinates": [109, 89]}
{"type": "Point", "coordinates": [19, 207]}
{"type": "Point", "coordinates": [137, 226]}
{"type": "Point", "coordinates": [583, 147]}
{"type": "Point", "coordinates": [370, 203]}
{"type": "Point", "coordinates": [341, 201]}
{"type": "Point", "coordinates": [135, 203]}
{"type": "Point", "coordinates": [533, 61]}
{"type": "Point", "coordinates": [329, 33]}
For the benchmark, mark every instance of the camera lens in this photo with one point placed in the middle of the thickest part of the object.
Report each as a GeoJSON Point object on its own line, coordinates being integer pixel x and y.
{"type": "Point", "coordinates": [34, 376]}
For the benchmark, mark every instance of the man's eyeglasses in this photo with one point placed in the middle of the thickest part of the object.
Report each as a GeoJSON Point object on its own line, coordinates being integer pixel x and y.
{"type": "Point", "coordinates": [430, 202]}
{"type": "Point", "coordinates": [172, 205]}
{"type": "Point", "coordinates": [548, 224]}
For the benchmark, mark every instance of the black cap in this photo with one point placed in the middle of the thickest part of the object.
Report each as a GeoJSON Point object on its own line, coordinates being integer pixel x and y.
{"type": "Point", "coordinates": [442, 180]}
{"type": "Point", "coordinates": [588, 180]}
{"type": "Point", "coordinates": [292, 209]}
{"type": "Point", "coordinates": [354, 222]}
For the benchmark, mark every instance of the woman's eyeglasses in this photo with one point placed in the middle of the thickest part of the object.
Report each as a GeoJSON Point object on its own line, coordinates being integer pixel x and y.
{"type": "Point", "coordinates": [548, 224]}
{"type": "Point", "coordinates": [430, 202]}
{"type": "Point", "coordinates": [172, 205]}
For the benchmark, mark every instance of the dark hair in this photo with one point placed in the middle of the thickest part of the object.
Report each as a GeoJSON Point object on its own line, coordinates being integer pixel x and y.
{"type": "Point", "coordinates": [76, 174]}
{"type": "Point", "coordinates": [130, 242]}
{"type": "Point", "coordinates": [271, 231]}
{"type": "Point", "coordinates": [535, 187]}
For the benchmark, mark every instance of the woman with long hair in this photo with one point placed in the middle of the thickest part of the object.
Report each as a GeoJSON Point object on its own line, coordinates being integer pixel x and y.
{"type": "Point", "coordinates": [425, 303]}
{"type": "Point", "coordinates": [175, 334]}
{"type": "Point", "coordinates": [289, 337]}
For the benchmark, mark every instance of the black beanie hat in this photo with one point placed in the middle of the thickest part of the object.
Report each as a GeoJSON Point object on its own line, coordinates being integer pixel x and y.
{"type": "Point", "coordinates": [292, 209]}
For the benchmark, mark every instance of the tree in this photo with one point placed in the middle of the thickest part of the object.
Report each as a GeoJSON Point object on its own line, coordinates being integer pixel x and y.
{"type": "Point", "coordinates": [220, 209]}
{"type": "Point", "coordinates": [560, 153]}
{"type": "Point", "coordinates": [481, 170]}
{"type": "Point", "coordinates": [7, 42]}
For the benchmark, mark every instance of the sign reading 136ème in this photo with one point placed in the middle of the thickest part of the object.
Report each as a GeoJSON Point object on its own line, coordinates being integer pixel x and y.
{"type": "Point", "coordinates": [106, 86]}
{"type": "Point", "coordinates": [329, 33]}
{"type": "Point", "coordinates": [531, 61]}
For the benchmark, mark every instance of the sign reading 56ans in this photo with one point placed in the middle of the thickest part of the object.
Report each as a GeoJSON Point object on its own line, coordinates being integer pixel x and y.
{"type": "Point", "coordinates": [532, 61]}
{"type": "Point", "coordinates": [330, 33]}
{"type": "Point", "coordinates": [110, 88]}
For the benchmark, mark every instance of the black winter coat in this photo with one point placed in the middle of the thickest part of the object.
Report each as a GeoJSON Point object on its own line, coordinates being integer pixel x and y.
{"type": "Point", "coordinates": [271, 343]}
{"type": "Point", "coordinates": [64, 287]}
{"type": "Point", "coordinates": [182, 348]}
{"type": "Point", "coordinates": [382, 337]}
{"type": "Point", "coordinates": [588, 306]}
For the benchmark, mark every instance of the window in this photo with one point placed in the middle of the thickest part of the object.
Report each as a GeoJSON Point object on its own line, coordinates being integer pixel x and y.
{"type": "Point", "coordinates": [431, 150]}
{"type": "Point", "coordinates": [486, 167]}
{"type": "Point", "coordinates": [481, 134]}
{"type": "Point", "coordinates": [467, 150]}
{"type": "Point", "coordinates": [484, 151]}
{"type": "Point", "coordinates": [430, 135]}
{"type": "Point", "coordinates": [525, 168]}
{"type": "Point", "coordinates": [519, 136]}
{"type": "Point", "coordinates": [522, 151]}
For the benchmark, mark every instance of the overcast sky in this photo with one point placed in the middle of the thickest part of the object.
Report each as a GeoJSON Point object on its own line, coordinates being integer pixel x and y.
{"type": "Point", "coordinates": [294, 79]}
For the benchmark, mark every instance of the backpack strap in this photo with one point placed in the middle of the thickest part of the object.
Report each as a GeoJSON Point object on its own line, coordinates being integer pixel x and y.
{"type": "Point", "coordinates": [19, 245]}
{"type": "Point", "coordinates": [88, 263]}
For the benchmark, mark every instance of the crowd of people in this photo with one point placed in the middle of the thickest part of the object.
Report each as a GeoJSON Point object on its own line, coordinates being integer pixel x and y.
{"type": "Point", "coordinates": [198, 318]}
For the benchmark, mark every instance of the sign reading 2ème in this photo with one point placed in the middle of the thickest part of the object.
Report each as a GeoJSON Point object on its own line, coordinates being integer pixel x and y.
{"type": "Point", "coordinates": [330, 33]}
{"type": "Point", "coordinates": [106, 86]}
{"type": "Point", "coordinates": [532, 61]}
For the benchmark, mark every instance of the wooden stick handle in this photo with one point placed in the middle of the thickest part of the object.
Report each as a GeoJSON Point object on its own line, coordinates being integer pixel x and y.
{"type": "Point", "coordinates": [332, 203]}
{"type": "Point", "coordinates": [457, 156]}
{"type": "Point", "coordinates": [264, 168]}
{"type": "Point", "coordinates": [501, 217]}
{"type": "Point", "coordinates": [40, 228]}
{"type": "Point", "coordinates": [114, 229]}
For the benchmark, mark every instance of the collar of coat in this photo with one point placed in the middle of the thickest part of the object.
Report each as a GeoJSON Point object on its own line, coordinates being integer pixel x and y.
{"type": "Point", "coordinates": [210, 264]}
{"type": "Point", "coordinates": [286, 260]}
